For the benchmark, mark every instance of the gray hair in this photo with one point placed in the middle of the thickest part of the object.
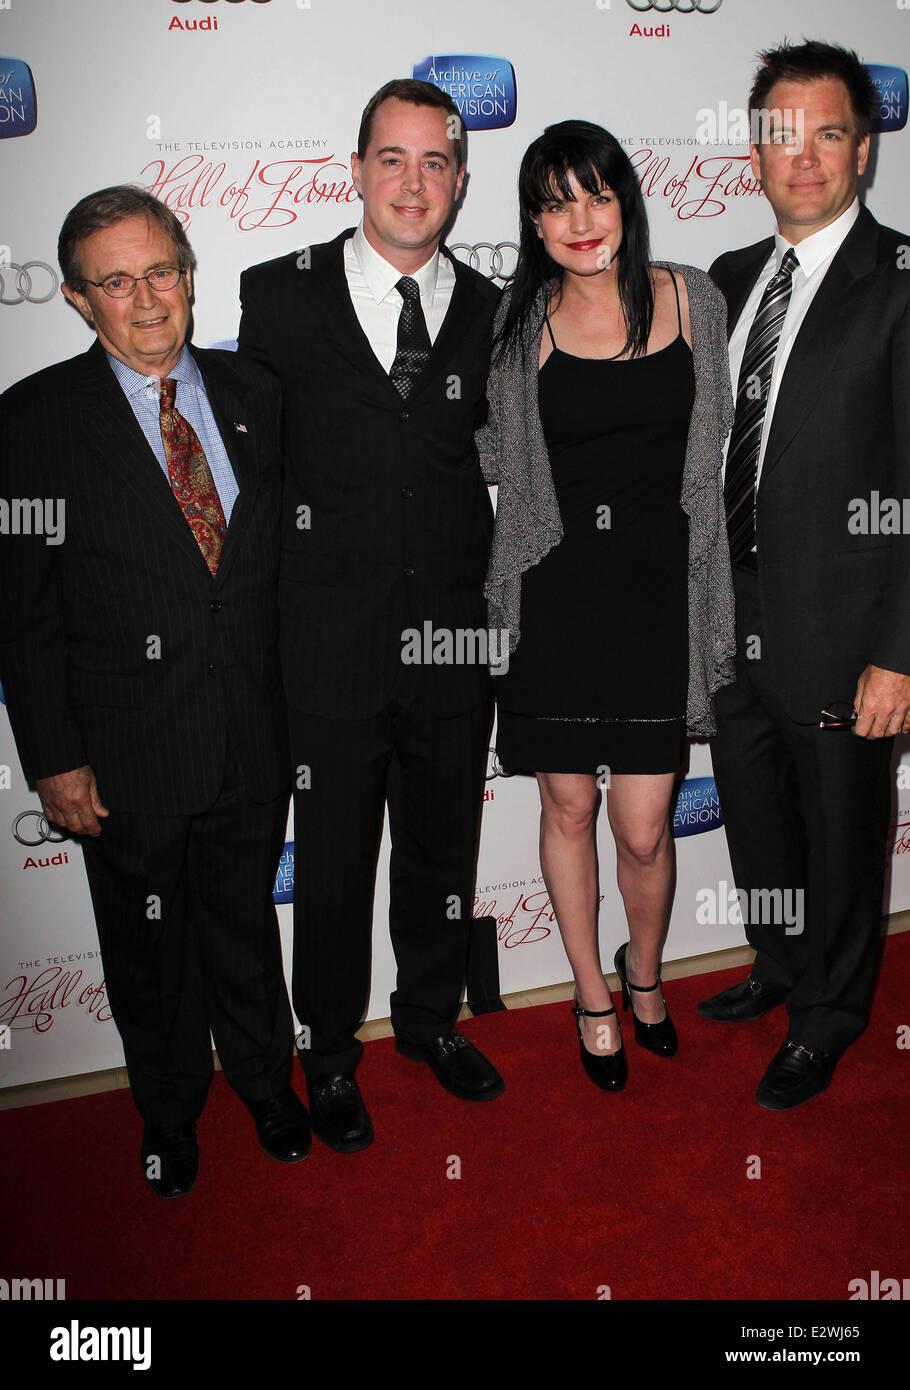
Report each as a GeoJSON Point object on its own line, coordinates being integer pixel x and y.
{"type": "Point", "coordinates": [106, 208]}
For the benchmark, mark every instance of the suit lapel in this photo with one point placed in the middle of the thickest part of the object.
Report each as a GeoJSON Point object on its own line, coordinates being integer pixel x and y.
{"type": "Point", "coordinates": [739, 289]}
{"type": "Point", "coordinates": [457, 317]}
{"type": "Point", "coordinates": [820, 339]}
{"type": "Point", "coordinates": [329, 300]}
{"type": "Point", "coordinates": [341, 322]}
{"type": "Point", "coordinates": [118, 441]}
{"type": "Point", "coordinates": [227, 397]}
{"type": "Point", "coordinates": [117, 438]}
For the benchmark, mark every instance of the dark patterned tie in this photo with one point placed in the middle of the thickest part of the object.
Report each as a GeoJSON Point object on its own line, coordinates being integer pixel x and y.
{"type": "Point", "coordinates": [413, 351]}
{"type": "Point", "coordinates": [751, 401]}
{"type": "Point", "coordinates": [191, 478]}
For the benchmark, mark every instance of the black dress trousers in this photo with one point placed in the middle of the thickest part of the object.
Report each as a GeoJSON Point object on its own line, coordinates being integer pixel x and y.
{"type": "Point", "coordinates": [429, 769]}
{"type": "Point", "coordinates": [190, 945]}
{"type": "Point", "coordinates": [804, 809]}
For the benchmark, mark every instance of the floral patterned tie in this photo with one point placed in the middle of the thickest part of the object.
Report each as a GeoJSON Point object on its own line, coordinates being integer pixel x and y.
{"type": "Point", "coordinates": [191, 478]}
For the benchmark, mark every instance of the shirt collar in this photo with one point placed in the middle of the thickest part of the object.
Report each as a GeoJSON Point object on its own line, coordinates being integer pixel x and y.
{"type": "Point", "coordinates": [132, 382]}
{"type": "Point", "coordinates": [381, 277]}
{"type": "Point", "coordinates": [820, 246]}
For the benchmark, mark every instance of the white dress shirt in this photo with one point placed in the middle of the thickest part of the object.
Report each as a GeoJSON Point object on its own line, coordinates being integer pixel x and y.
{"type": "Point", "coordinates": [815, 254]}
{"type": "Point", "coordinates": [377, 303]}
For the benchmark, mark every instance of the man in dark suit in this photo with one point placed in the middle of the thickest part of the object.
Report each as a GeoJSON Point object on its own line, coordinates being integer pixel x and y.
{"type": "Point", "coordinates": [381, 340]}
{"type": "Point", "coordinates": [140, 663]}
{"type": "Point", "coordinates": [820, 348]}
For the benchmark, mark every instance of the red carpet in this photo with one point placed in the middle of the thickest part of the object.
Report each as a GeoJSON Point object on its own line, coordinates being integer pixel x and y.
{"type": "Point", "coordinates": [563, 1188]}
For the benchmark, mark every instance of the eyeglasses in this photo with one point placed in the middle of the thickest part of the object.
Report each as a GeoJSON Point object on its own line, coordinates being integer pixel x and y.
{"type": "Point", "coordinates": [837, 714]}
{"type": "Point", "coordinates": [122, 286]}
{"type": "Point", "coordinates": [840, 714]}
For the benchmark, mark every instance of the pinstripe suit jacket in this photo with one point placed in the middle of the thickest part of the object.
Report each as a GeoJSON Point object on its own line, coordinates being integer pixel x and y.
{"type": "Point", "coordinates": [117, 647]}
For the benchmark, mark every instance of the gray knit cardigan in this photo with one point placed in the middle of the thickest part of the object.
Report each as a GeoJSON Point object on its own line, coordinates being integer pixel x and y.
{"type": "Point", "coordinates": [514, 455]}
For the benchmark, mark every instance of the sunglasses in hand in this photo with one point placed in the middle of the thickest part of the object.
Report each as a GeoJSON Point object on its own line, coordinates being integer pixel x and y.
{"type": "Point", "coordinates": [838, 714]}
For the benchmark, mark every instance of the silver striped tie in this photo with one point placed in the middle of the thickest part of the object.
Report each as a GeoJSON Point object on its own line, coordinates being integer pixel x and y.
{"type": "Point", "coordinates": [751, 401]}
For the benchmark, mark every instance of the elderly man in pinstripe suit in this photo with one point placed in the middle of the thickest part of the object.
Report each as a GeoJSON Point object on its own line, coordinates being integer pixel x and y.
{"type": "Point", "coordinates": [141, 668]}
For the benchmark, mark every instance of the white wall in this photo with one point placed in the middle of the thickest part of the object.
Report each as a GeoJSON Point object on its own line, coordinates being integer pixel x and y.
{"type": "Point", "coordinates": [246, 129]}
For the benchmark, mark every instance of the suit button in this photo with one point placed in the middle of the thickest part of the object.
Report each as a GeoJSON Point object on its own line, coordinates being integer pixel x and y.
{"type": "Point", "coordinates": [216, 605]}
{"type": "Point", "coordinates": [407, 492]}
{"type": "Point", "coordinates": [409, 571]}
{"type": "Point", "coordinates": [210, 670]}
{"type": "Point", "coordinates": [405, 415]}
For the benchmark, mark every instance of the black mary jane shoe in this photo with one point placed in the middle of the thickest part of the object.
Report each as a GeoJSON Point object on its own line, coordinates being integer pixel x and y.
{"type": "Point", "coordinates": [659, 1038]}
{"type": "Point", "coordinates": [608, 1070]}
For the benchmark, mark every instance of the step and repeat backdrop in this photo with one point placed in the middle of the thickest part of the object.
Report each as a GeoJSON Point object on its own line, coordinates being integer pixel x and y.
{"type": "Point", "coordinates": [241, 115]}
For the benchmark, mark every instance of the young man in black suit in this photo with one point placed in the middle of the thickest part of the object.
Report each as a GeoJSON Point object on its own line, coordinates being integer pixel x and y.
{"type": "Point", "coordinates": [381, 340]}
{"type": "Point", "coordinates": [819, 319]}
{"type": "Point", "coordinates": [140, 663]}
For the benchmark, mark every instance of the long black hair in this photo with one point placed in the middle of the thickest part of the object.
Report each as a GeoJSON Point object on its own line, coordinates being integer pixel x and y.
{"type": "Point", "coordinates": [596, 159]}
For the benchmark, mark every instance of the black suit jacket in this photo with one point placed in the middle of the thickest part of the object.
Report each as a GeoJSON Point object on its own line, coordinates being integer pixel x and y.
{"type": "Point", "coordinates": [84, 677]}
{"type": "Point", "coordinates": [833, 598]}
{"type": "Point", "coordinates": [387, 522]}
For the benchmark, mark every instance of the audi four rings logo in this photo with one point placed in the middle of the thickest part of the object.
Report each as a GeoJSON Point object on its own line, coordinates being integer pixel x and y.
{"type": "Point", "coordinates": [496, 262]}
{"type": "Point", "coordinates": [680, 6]}
{"type": "Point", "coordinates": [26, 285]}
{"type": "Point", "coordinates": [495, 767]}
{"type": "Point", "coordinates": [31, 828]}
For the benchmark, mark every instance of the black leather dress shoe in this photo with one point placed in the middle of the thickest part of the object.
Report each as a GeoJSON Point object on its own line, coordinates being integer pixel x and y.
{"type": "Point", "coordinates": [283, 1126]}
{"type": "Point", "coordinates": [170, 1158]}
{"type": "Point", "coordinates": [794, 1076]}
{"type": "Point", "coordinates": [742, 1003]}
{"type": "Point", "coordinates": [459, 1067]}
{"type": "Point", "coordinates": [338, 1114]}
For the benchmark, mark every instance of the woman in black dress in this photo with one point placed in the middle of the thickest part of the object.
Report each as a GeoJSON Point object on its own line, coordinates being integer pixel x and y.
{"type": "Point", "coordinates": [595, 691]}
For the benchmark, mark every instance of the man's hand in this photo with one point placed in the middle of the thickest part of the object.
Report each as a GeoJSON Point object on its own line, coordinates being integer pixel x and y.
{"type": "Point", "coordinates": [882, 703]}
{"type": "Point", "coordinates": [71, 799]}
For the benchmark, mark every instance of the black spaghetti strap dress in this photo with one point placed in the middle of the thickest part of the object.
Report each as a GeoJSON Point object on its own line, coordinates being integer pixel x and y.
{"type": "Point", "coordinates": [600, 674]}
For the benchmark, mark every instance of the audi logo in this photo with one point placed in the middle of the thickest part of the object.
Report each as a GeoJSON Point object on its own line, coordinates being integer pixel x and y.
{"type": "Point", "coordinates": [31, 828]}
{"type": "Point", "coordinates": [680, 6]}
{"type": "Point", "coordinates": [25, 284]}
{"type": "Point", "coordinates": [494, 767]}
{"type": "Point", "coordinates": [491, 260]}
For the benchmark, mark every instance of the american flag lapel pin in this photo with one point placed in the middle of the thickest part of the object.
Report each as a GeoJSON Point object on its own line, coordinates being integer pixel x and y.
{"type": "Point", "coordinates": [241, 429]}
